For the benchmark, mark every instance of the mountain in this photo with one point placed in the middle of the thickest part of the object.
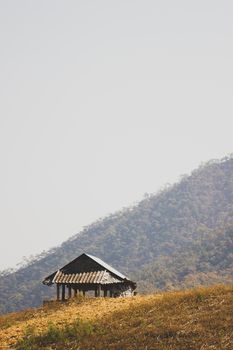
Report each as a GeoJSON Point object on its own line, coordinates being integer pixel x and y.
{"type": "Point", "coordinates": [194, 319]}
{"type": "Point", "coordinates": [177, 238]}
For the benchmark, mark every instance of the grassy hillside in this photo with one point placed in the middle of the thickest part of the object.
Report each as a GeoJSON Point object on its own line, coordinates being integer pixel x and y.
{"type": "Point", "coordinates": [179, 237]}
{"type": "Point", "coordinates": [194, 319]}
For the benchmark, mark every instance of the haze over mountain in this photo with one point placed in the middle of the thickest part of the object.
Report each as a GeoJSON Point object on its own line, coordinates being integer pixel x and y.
{"type": "Point", "coordinates": [102, 101]}
{"type": "Point", "coordinates": [177, 238]}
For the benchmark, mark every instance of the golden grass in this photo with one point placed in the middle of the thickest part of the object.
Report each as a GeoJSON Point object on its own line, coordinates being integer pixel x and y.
{"type": "Point", "coordinates": [189, 320]}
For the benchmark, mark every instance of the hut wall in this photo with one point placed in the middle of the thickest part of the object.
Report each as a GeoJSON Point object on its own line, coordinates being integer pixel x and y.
{"type": "Point", "coordinates": [122, 290]}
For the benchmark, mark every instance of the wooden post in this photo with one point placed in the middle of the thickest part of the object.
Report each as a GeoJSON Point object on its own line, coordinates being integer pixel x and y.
{"type": "Point", "coordinates": [58, 291]}
{"type": "Point", "coordinates": [63, 293]}
{"type": "Point", "coordinates": [75, 292]}
{"type": "Point", "coordinates": [96, 292]}
{"type": "Point", "coordinates": [84, 293]}
{"type": "Point", "coordinates": [105, 293]}
{"type": "Point", "coordinates": [69, 292]}
{"type": "Point", "coordinates": [111, 293]}
{"type": "Point", "coordinates": [99, 290]}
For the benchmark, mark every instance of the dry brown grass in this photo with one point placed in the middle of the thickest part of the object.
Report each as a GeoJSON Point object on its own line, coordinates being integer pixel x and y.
{"type": "Point", "coordinates": [197, 319]}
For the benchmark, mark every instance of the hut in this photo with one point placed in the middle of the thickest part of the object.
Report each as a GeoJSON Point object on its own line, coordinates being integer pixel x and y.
{"type": "Point", "coordinates": [88, 273]}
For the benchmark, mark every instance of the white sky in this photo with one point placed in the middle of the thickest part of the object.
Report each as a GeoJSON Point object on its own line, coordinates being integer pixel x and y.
{"type": "Point", "coordinates": [101, 102]}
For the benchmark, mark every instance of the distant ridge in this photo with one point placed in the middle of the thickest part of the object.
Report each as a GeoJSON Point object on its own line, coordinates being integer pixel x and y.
{"type": "Point", "coordinates": [180, 237]}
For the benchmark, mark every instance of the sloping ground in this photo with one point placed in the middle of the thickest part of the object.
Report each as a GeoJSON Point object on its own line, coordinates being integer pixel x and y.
{"type": "Point", "coordinates": [180, 237]}
{"type": "Point", "coordinates": [195, 319]}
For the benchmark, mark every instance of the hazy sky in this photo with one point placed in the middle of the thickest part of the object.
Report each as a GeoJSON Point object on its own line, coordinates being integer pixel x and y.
{"type": "Point", "coordinates": [101, 102]}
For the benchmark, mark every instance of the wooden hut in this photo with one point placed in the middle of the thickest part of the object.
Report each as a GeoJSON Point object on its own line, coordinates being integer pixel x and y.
{"type": "Point", "coordinates": [88, 273]}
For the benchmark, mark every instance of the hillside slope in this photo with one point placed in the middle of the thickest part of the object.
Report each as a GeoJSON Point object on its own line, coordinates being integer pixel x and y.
{"type": "Point", "coordinates": [195, 319]}
{"type": "Point", "coordinates": [179, 237]}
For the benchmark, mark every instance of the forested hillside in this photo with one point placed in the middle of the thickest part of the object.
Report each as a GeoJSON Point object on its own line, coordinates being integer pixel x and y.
{"type": "Point", "coordinates": [179, 237]}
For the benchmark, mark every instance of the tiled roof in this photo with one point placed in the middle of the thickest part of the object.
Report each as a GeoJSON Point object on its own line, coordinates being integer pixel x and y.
{"type": "Point", "coordinates": [102, 274]}
{"type": "Point", "coordinates": [93, 277]}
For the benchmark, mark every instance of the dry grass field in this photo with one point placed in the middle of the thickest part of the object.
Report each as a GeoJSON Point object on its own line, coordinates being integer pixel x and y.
{"type": "Point", "coordinates": [189, 320]}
